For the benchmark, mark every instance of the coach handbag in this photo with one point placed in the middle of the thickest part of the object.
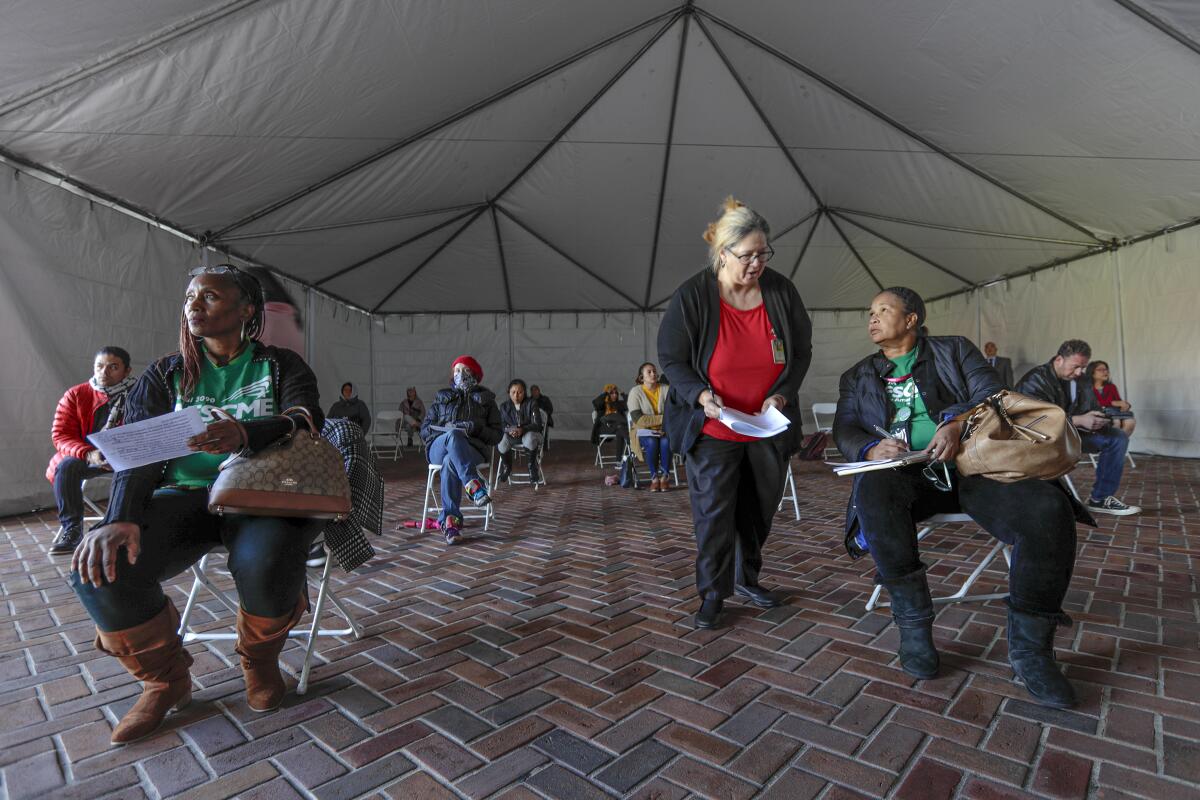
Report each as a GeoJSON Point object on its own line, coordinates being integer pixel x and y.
{"type": "Point", "coordinates": [299, 475]}
{"type": "Point", "coordinates": [1010, 437]}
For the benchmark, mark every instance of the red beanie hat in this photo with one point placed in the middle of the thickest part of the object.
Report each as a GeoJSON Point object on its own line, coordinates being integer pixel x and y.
{"type": "Point", "coordinates": [470, 364]}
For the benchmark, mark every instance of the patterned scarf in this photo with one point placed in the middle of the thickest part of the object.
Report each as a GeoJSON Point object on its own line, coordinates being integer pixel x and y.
{"type": "Point", "coordinates": [116, 398]}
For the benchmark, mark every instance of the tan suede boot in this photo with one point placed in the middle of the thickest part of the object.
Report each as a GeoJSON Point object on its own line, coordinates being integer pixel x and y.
{"type": "Point", "coordinates": [153, 653]}
{"type": "Point", "coordinates": [260, 640]}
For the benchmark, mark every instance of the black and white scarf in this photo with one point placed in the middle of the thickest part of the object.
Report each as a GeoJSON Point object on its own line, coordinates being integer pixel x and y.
{"type": "Point", "coordinates": [116, 398]}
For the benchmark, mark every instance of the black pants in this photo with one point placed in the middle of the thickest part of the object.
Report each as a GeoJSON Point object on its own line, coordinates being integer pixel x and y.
{"type": "Point", "coordinates": [735, 488]}
{"type": "Point", "coordinates": [266, 559]}
{"type": "Point", "coordinates": [1033, 516]}
{"type": "Point", "coordinates": [69, 476]}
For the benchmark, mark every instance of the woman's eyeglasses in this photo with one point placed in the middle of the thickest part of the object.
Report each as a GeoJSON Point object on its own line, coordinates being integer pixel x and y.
{"type": "Point", "coordinates": [942, 482]}
{"type": "Point", "coordinates": [245, 281]}
{"type": "Point", "coordinates": [745, 258]}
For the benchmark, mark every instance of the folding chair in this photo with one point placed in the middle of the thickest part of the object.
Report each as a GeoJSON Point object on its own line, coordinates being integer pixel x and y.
{"type": "Point", "coordinates": [789, 493]}
{"type": "Point", "coordinates": [325, 593]}
{"type": "Point", "coordinates": [386, 438]}
{"type": "Point", "coordinates": [602, 460]}
{"type": "Point", "coordinates": [828, 409]}
{"type": "Point", "coordinates": [963, 594]}
{"type": "Point", "coordinates": [97, 512]}
{"type": "Point", "coordinates": [517, 478]}
{"type": "Point", "coordinates": [433, 501]}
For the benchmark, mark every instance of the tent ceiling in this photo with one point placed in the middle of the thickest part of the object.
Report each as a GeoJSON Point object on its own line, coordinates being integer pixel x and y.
{"type": "Point", "coordinates": [539, 155]}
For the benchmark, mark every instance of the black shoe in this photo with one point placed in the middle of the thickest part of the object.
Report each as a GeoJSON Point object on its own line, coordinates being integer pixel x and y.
{"type": "Point", "coordinates": [535, 472]}
{"type": "Point", "coordinates": [758, 596]}
{"type": "Point", "coordinates": [316, 555]}
{"type": "Point", "coordinates": [709, 615]}
{"type": "Point", "coordinates": [505, 468]}
{"type": "Point", "coordinates": [1031, 653]}
{"type": "Point", "coordinates": [912, 611]}
{"type": "Point", "coordinates": [67, 540]}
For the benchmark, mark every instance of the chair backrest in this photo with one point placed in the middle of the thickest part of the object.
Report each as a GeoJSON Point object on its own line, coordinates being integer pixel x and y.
{"type": "Point", "coordinates": [829, 409]}
{"type": "Point", "coordinates": [388, 416]}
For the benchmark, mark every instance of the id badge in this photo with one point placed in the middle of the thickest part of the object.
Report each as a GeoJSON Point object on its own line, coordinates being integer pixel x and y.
{"type": "Point", "coordinates": [777, 351]}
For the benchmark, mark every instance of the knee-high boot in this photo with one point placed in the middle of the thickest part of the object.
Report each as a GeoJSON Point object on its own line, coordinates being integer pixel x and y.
{"type": "Point", "coordinates": [1031, 653]}
{"type": "Point", "coordinates": [259, 642]}
{"type": "Point", "coordinates": [153, 653]}
{"type": "Point", "coordinates": [912, 611]}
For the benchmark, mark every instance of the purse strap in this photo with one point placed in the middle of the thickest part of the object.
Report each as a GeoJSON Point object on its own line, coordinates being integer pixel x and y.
{"type": "Point", "coordinates": [303, 412]}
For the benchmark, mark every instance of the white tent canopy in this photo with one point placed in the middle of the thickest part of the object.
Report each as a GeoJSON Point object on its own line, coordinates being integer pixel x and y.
{"type": "Point", "coordinates": [545, 157]}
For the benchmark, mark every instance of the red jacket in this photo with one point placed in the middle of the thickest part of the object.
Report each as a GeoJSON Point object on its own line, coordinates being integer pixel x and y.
{"type": "Point", "coordinates": [73, 421]}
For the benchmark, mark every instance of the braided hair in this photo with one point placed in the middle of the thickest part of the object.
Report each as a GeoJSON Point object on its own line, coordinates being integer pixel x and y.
{"type": "Point", "coordinates": [189, 345]}
{"type": "Point", "coordinates": [913, 304]}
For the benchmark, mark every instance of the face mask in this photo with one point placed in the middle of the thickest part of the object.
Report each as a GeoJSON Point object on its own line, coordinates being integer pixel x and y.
{"type": "Point", "coordinates": [464, 380]}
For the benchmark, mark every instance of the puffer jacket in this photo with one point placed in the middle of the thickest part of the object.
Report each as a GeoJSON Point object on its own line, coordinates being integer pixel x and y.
{"type": "Point", "coordinates": [528, 417]}
{"type": "Point", "coordinates": [1043, 383]}
{"type": "Point", "coordinates": [75, 417]}
{"type": "Point", "coordinates": [477, 406]}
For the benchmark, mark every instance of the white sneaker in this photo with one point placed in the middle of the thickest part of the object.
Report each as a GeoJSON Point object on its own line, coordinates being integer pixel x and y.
{"type": "Point", "coordinates": [1111, 505]}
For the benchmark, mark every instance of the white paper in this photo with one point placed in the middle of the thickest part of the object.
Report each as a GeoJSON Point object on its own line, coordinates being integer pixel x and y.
{"type": "Point", "coordinates": [855, 467]}
{"type": "Point", "coordinates": [760, 426]}
{"type": "Point", "coordinates": [149, 441]}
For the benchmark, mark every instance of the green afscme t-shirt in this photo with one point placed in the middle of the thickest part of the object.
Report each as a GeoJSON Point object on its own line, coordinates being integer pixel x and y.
{"type": "Point", "coordinates": [907, 404]}
{"type": "Point", "coordinates": [243, 387]}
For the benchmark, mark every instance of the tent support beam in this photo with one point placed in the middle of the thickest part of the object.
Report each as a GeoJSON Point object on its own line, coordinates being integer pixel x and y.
{"type": "Point", "coordinates": [956, 229]}
{"type": "Point", "coordinates": [666, 167]}
{"type": "Point", "coordinates": [1161, 24]}
{"type": "Point", "coordinates": [804, 248]}
{"type": "Point", "coordinates": [334, 226]}
{"type": "Point", "coordinates": [552, 246]}
{"type": "Point", "coordinates": [393, 248]}
{"type": "Point", "coordinates": [853, 250]}
{"type": "Point", "coordinates": [431, 129]}
{"type": "Point", "coordinates": [155, 41]}
{"type": "Point", "coordinates": [894, 122]}
{"type": "Point", "coordinates": [908, 250]}
{"type": "Point", "coordinates": [503, 264]}
{"type": "Point", "coordinates": [474, 216]}
{"type": "Point", "coordinates": [796, 224]}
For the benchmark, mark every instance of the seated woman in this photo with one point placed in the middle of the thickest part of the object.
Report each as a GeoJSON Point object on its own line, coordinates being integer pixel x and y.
{"type": "Point", "coordinates": [610, 417]}
{"type": "Point", "coordinates": [1098, 377]}
{"type": "Point", "coordinates": [412, 411]}
{"type": "Point", "coordinates": [911, 388]}
{"type": "Point", "coordinates": [461, 425]}
{"type": "Point", "coordinates": [646, 401]}
{"type": "Point", "coordinates": [159, 514]}
{"type": "Point", "coordinates": [522, 422]}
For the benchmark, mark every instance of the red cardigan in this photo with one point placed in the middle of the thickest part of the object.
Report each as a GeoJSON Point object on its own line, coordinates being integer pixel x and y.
{"type": "Point", "coordinates": [73, 420]}
{"type": "Point", "coordinates": [1106, 394]}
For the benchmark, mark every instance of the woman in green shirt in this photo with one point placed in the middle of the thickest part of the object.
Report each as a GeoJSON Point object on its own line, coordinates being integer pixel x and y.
{"type": "Point", "coordinates": [158, 523]}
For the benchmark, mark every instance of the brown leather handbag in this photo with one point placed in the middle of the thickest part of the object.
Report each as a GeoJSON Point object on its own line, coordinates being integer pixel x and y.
{"type": "Point", "coordinates": [1010, 437]}
{"type": "Point", "coordinates": [299, 475]}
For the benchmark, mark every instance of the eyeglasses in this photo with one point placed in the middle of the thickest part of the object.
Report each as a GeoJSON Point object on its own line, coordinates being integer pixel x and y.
{"type": "Point", "coordinates": [245, 281]}
{"type": "Point", "coordinates": [745, 258]}
{"type": "Point", "coordinates": [942, 484]}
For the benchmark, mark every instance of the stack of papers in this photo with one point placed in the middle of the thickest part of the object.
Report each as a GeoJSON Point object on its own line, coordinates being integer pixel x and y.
{"type": "Point", "coordinates": [855, 467]}
{"type": "Point", "coordinates": [760, 426]}
{"type": "Point", "coordinates": [149, 441]}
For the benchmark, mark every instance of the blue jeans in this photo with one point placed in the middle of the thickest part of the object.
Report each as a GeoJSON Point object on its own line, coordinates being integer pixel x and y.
{"type": "Point", "coordinates": [1110, 444]}
{"type": "Point", "coordinates": [658, 454]}
{"type": "Point", "coordinates": [459, 461]}
{"type": "Point", "coordinates": [266, 559]}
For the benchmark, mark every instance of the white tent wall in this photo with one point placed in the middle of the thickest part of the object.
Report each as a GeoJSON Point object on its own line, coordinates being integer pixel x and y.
{"type": "Point", "coordinates": [338, 340]}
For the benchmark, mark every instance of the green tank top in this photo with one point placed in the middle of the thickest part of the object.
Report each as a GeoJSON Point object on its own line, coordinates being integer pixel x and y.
{"type": "Point", "coordinates": [908, 407]}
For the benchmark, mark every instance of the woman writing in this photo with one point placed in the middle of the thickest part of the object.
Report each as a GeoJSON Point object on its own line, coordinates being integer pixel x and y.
{"type": "Point", "coordinates": [645, 409]}
{"type": "Point", "coordinates": [736, 335]}
{"type": "Point", "coordinates": [912, 387]}
{"type": "Point", "coordinates": [1099, 377]}
{"type": "Point", "coordinates": [159, 517]}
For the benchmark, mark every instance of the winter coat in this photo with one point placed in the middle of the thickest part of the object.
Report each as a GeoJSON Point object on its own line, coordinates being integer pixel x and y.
{"type": "Point", "coordinates": [476, 406]}
{"type": "Point", "coordinates": [74, 418]}
{"type": "Point", "coordinates": [354, 410]}
{"type": "Point", "coordinates": [528, 417]}
{"type": "Point", "coordinates": [1043, 383]}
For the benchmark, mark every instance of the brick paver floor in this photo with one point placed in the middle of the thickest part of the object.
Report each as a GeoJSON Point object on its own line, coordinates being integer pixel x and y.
{"type": "Point", "coordinates": [554, 657]}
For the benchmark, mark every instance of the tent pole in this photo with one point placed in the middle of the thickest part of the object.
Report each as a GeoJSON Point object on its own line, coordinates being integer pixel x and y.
{"type": "Point", "coordinates": [310, 316]}
{"type": "Point", "coordinates": [371, 356]}
{"type": "Point", "coordinates": [1116, 263]}
{"type": "Point", "coordinates": [978, 317]}
{"type": "Point", "coordinates": [807, 241]}
{"type": "Point", "coordinates": [861, 260]}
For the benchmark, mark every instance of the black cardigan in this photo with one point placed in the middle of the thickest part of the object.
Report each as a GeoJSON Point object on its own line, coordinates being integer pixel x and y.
{"type": "Point", "coordinates": [688, 336]}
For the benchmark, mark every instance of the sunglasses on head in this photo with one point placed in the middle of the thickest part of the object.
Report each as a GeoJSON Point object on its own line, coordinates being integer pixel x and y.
{"type": "Point", "coordinates": [245, 281]}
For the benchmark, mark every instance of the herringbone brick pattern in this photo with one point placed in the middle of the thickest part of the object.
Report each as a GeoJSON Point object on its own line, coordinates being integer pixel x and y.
{"type": "Point", "coordinates": [554, 657]}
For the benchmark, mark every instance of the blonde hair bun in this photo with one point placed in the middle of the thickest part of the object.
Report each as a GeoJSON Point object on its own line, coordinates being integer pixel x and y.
{"type": "Point", "coordinates": [737, 221]}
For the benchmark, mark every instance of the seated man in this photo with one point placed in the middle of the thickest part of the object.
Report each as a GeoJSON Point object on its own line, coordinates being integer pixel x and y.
{"type": "Point", "coordinates": [1003, 366]}
{"type": "Point", "coordinates": [348, 406]}
{"type": "Point", "coordinates": [522, 422]}
{"type": "Point", "coordinates": [89, 407]}
{"type": "Point", "coordinates": [547, 407]}
{"type": "Point", "coordinates": [1057, 381]}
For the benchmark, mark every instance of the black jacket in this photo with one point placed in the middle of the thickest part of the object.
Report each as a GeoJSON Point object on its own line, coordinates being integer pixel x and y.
{"type": "Point", "coordinates": [598, 404]}
{"type": "Point", "coordinates": [547, 407]}
{"type": "Point", "coordinates": [477, 406]}
{"type": "Point", "coordinates": [688, 336]}
{"type": "Point", "coordinates": [1043, 383]}
{"type": "Point", "coordinates": [354, 410]}
{"type": "Point", "coordinates": [154, 395]}
{"type": "Point", "coordinates": [527, 417]}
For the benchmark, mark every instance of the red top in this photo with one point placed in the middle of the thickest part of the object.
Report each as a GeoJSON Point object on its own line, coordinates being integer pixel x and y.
{"type": "Point", "coordinates": [1106, 394]}
{"type": "Point", "coordinates": [742, 369]}
{"type": "Point", "coordinates": [73, 421]}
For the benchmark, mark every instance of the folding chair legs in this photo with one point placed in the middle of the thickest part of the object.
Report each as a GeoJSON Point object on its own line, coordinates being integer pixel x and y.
{"type": "Point", "coordinates": [963, 593]}
{"type": "Point", "coordinates": [789, 493]}
{"type": "Point", "coordinates": [315, 630]}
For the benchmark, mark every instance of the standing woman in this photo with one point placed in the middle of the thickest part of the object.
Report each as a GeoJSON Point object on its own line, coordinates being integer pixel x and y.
{"type": "Point", "coordinates": [159, 517]}
{"type": "Point", "coordinates": [645, 410]}
{"type": "Point", "coordinates": [735, 335]}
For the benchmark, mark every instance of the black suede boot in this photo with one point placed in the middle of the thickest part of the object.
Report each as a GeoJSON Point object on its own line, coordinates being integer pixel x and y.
{"type": "Point", "coordinates": [912, 611]}
{"type": "Point", "coordinates": [1031, 653]}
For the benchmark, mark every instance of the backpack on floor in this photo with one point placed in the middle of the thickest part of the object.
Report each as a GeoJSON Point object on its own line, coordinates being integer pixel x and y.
{"type": "Point", "coordinates": [628, 473]}
{"type": "Point", "coordinates": [814, 446]}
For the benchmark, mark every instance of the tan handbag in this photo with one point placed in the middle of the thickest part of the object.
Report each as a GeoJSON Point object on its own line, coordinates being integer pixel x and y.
{"type": "Point", "coordinates": [1010, 437]}
{"type": "Point", "coordinates": [300, 475]}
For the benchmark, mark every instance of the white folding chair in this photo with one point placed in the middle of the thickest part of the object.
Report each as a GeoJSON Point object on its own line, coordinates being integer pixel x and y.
{"type": "Point", "coordinates": [433, 500]}
{"type": "Point", "coordinates": [789, 493]}
{"type": "Point", "coordinates": [202, 578]}
{"type": "Point", "coordinates": [963, 594]}
{"type": "Point", "coordinates": [602, 460]}
{"type": "Point", "coordinates": [518, 478]}
{"type": "Point", "coordinates": [829, 410]}
{"type": "Point", "coordinates": [385, 438]}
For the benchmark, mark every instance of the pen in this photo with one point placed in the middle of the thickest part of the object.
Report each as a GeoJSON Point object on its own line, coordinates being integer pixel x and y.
{"type": "Point", "coordinates": [886, 435]}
